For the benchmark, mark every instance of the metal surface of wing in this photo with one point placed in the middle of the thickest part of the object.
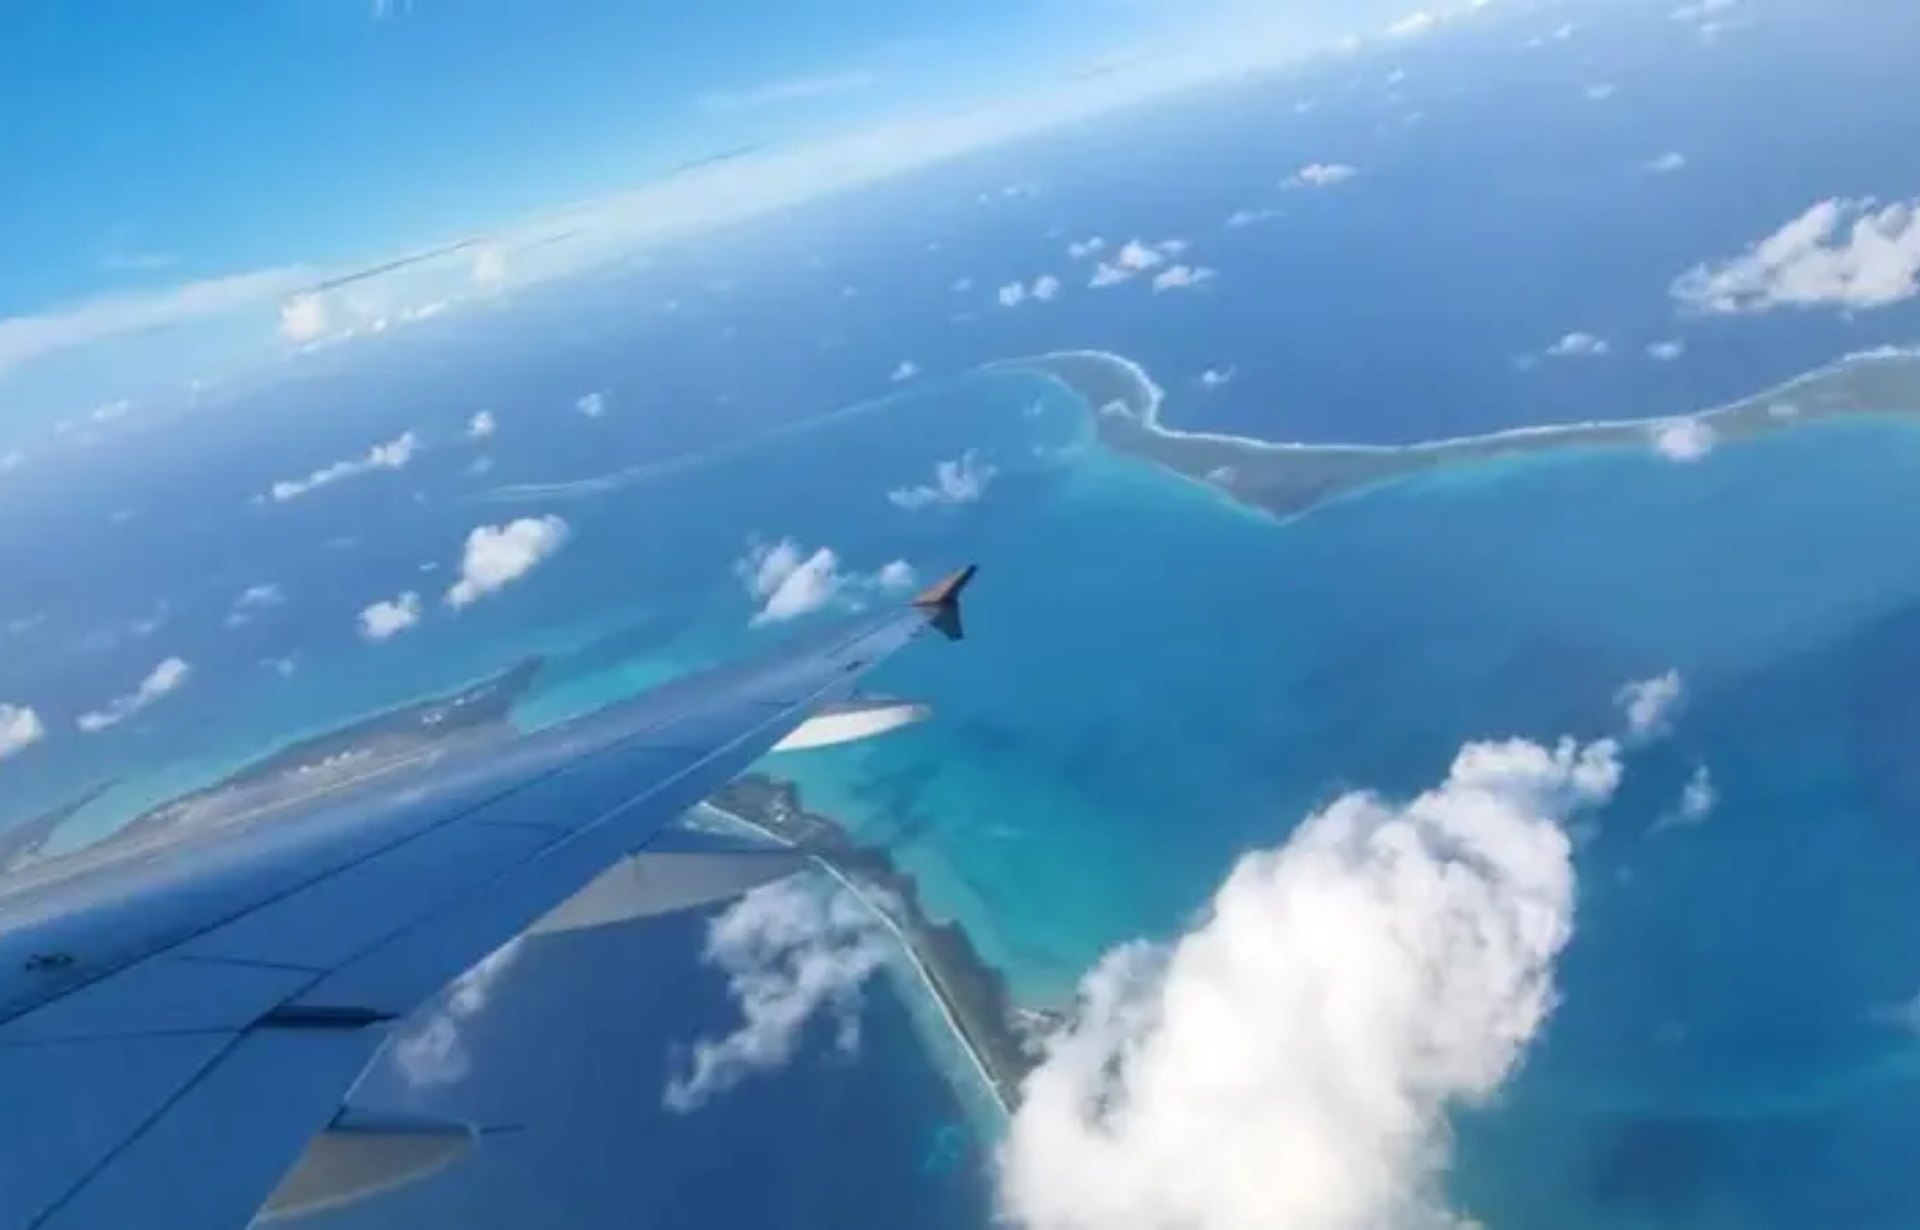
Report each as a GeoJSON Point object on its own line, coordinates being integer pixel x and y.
{"type": "Point", "coordinates": [180, 1015]}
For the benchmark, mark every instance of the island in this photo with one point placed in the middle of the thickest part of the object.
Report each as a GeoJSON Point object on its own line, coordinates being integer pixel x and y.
{"type": "Point", "coordinates": [1003, 1039]}
{"type": "Point", "coordinates": [1288, 480]}
{"type": "Point", "coordinates": [335, 760]}
{"type": "Point", "coordinates": [24, 842]}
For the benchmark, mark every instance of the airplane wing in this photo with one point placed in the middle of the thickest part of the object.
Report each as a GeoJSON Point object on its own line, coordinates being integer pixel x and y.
{"type": "Point", "coordinates": [183, 1017]}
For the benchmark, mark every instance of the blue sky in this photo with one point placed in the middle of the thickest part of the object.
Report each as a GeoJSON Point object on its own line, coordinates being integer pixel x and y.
{"type": "Point", "coordinates": [153, 145]}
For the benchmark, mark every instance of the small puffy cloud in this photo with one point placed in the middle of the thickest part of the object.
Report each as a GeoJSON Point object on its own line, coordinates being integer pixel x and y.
{"type": "Point", "coordinates": [1665, 164]}
{"type": "Point", "coordinates": [1181, 277]}
{"type": "Point", "coordinates": [498, 555]}
{"type": "Point", "coordinates": [1250, 217]}
{"type": "Point", "coordinates": [1697, 799]}
{"type": "Point", "coordinates": [434, 1052]}
{"type": "Point", "coordinates": [20, 729]}
{"type": "Point", "coordinates": [1666, 352]}
{"type": "Point", "coordinates": [1044, 288]}
{"type": "Point", "coordinates": [1293, 1059]}
{"type": "Point", "coordinates": [1683, 439]}
{"type": "Point", "coordinates": [1848, 254]}
{"type": "Point", "coordinates": [1602, 92]}
{"type": "Point", "coordinates": [788, 582]}
{"type": "Point", "coordinates": [482, 426]}
{"type": "Point", "coordinates": [960, 481]}
{"type": "Point", "coordinates": [253, 600]}
{"type": "Point", "coordinates": [389, 618]}
{"type": "Point", "coordinates": [1134, 257]}
{"type": "Point", "coordinates": [907, 370]}
{"type": "Point", "coordinates": [1080, 249]}
{"type": "Point", "coordinates": [1214, 377]}
{"type": "Point", "coordinates": [1708, 17]}
{"type": "Point", "coordinates": [1577, 345]}
{"type": "Point", "coordinates": [162, 681]}
{"type": "Point", "coordinates": [789, 950]}
{"type": "Point", "coordinates": [1649, 705]}
{"type": "Point", "coordinates": [303, 318]}
{"type": "Point", "coordinates": [392, 455]}
{"type": "Point", "coordinates": [1321, 175]}
{"type": "Point", "coordinates": [593, 405]}
{"type": "Point", "coordinates": [897, 575]}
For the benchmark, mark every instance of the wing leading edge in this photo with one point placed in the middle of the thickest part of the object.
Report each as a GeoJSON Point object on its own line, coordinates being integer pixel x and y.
{"type": "Point", "coordinates": [179, 1020]}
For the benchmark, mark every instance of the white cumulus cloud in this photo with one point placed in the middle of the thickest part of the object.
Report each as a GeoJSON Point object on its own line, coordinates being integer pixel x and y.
{"type": "Point", "coordinates": [789, 951]}
{"type": "Point", "coordinates": [1649, 704]}
{"type": "Point", "coordinates": [1854, 255]}
{"type": "Point", "coordinates": [1666, 164]}
{"type": "Point", "coordinates": [1697, 800]}
{"type": "Point", "coordinates": [162, 681]}
{"type": "Point", "coordinates": [498, 555]}
{"type": "Point", "coordinates": [962, 480]}
{"type": "Point", "coordinates": [1578, 345]}
{"type": "Point", "coordinates": [253, 600]}
{"type": "Point", "coordinates": [788, 582]}
{"type": "Point", "coordinates": [593, 405]}
{"type": "Point", "coordinates": [1214, 377]}
{"type": "Point", "coordinates": [390, 617]}
{"type": "Point", "coordinates": [1683, 439]}
{"type": "Point", "coordinates": [897, 575]}
{"type": "Point", "coordinates": [1292, 1060]}
{"type": "Point", "coordinates": [1013, 294]}
{"type": "Point", "coordinates": [1181, 277]}
{"type": "Point", "coordinates": [1080, 249]}
{"type": "Point", "coordinates": [1666, 352]}
{"type": "Point", "coordinates": [392, 455]}
{"type": "Point", "coordinates": [482, 425]}
{"type": "Point", "coordinates": [20, 729]}
{"type": "Point", "coordinates": [907, 370]}
{"type": "Point", "coordinates": [1322, 175]}
{"type": "Point", "coordinates": [1044, 287]}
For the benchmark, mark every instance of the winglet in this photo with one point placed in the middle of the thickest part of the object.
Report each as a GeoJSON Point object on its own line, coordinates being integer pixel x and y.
{"type": "Point", "coordinates": [941, 601]}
